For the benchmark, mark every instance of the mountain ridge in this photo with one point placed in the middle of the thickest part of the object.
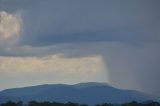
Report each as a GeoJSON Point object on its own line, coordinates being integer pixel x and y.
{"type": "Point", "coordinates": [90, 93]}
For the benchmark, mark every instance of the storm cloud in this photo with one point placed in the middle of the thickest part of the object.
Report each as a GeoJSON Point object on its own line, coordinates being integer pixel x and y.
{"type": "Point", "coordinates": [125, 33]}
{"type": "Point", "coordinates": [80, 21]}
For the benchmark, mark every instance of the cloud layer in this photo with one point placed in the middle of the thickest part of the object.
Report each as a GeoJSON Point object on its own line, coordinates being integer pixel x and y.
{"type": "Point", "coordinates": [123, 34]}
{"type": "Point", "coordinates": [50, 69]}
{"type": "Point", "coordinates": [66, 22]}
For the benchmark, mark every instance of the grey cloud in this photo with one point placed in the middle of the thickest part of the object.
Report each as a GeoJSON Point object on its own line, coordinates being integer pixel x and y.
{"type": "Point", "coordinates": [128, 66]}
{"type": "Point", "coordinates": [126, 33]}
{"type": "Point", "coordinates": [134, 67]}
{"type": "Point", "coordinates": [51, 22]}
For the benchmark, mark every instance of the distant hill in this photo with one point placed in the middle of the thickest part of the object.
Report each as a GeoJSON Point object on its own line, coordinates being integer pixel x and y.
{"type": "Point", "coordinates": [90, 93]}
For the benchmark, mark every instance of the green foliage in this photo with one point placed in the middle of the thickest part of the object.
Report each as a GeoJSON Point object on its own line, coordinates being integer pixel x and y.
{"type": "Point", "coordinates": [46, 103]}
{"type": "Point", "coordinates": [152, 104]}
{"type": "Point", "coordinates": [134, 103]}
{"type": "Point", "coordinates": [9, 103]}
{"type": "Point", "coordinates": [104, 104]}
{"type": "Point", "coordinates": [20, 103]}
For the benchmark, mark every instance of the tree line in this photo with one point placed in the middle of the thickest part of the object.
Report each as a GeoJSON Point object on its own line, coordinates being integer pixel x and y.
{"type": "Point", "coordinates": [46, 103]}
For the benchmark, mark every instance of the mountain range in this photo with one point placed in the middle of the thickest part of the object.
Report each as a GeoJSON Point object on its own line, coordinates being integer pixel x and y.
{"type": "Point", "coordinates": [89, 93]}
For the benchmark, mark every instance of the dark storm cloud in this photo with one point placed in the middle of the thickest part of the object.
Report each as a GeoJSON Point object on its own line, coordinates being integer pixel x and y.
{"type": "Point", "coordinates": [51, 22]}
{"type": "Point", "coordinates": [129, 66]}
{"type": "Point", "coordinates": [126, 33]}
{"type": "Point", "coordinates": [134, 67]}
{"type": "Point", "coordinates": [88, 36]}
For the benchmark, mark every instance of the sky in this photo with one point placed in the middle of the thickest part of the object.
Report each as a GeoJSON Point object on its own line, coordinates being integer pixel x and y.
{"type": "Point", "coordinates": [46, 41]}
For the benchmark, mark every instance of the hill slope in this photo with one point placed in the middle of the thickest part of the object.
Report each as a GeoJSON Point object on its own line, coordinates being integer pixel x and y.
{"type": "Point", "coordinates": [90, 93]}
